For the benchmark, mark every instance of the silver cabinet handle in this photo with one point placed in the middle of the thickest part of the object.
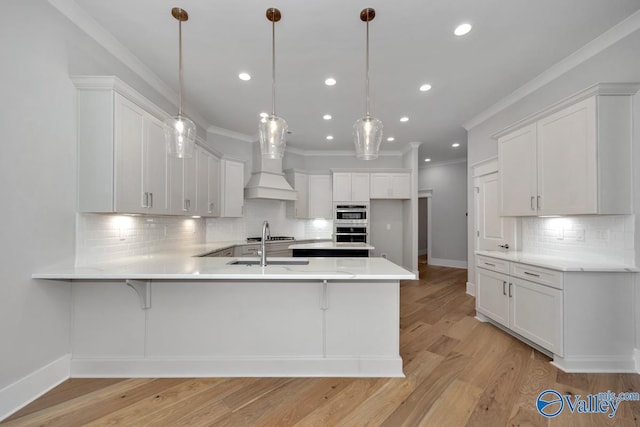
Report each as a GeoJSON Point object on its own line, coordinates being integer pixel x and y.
{"type": "Point", "coordinates": [504, 284]}
{"type": "Point", "coordinates": [505, 246]}
{"type": "Point", "coordinates": [531, 274]}
{"type": "Point", "coordinates": [150, 200]}
{"type": "Point", "coordinates": [145, 203]}
{"type": "Point", "coordinates": [533, 208]}
{"type": "Point", "coordinates": [488, 263]}
{"type": "Point", "coordinates": [539, 202]}
{"type": "Point", "coordinates": [510, 294]}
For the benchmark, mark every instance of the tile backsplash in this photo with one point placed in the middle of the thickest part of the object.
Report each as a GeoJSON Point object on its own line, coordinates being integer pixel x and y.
{"type": "Point", "coordinates": [598, 237]}
{"type": "Point", "coordinates": [102, 237]}
{"type": "Point", "coordinates": [281, 223]}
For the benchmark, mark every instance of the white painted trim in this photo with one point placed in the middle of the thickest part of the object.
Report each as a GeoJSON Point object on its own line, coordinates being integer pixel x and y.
{"type": "Point", "coordinates": [596, 364]}
{"type": "Point", "coordinates": [238, 367]}
{"type": "Point", "coordinates": [27, 389]}
{"type": "Point", "coordinates": [636, 358]}
{"type": "Point", "coordinates": [231, 134]}
{"type": "Point", "coordinates": [471, 289]}
{"type": "Point", "coordinates": [426, 165]}
{"type": "Point", "coordinates": [454, 263]}
{"type": "Point", "coordinates": [104, 38]}
{"type": "Point", "coordinates": [340, 153]}
{"type": "Point", "coordinates": [484, 167]}
{"type": "Point", "coordinates": [427, 192]}
{"type": "Point", "coordinates": [605, 40]}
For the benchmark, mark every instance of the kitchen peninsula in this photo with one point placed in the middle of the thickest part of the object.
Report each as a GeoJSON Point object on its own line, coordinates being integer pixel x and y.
{"type": "Point", "coordinates": [202, 316]}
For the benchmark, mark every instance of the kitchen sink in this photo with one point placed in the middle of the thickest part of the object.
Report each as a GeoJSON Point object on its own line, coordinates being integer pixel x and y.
{"type": "Point", "coordinates": [270, 261]}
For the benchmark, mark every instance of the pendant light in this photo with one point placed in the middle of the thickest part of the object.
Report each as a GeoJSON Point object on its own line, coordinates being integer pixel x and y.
{"type": "Point", "coordinates": [273, 129]}
{"type": "Point", "coordinates": [367, 131]}
{"type": "Point", "coordinates": [179, 131]}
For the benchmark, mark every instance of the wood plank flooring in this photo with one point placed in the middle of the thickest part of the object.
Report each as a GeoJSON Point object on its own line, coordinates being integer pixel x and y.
{"type": "Point", "coordinates": [459, 372]}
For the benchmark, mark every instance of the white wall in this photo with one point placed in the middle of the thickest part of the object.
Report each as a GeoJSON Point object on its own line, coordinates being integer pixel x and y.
{"type": "Point", "coordinates": [618, 63]}
{"type": "Point", "coordinates": [448, 182]}
{"type": "Point", "coordinates": [386, 228]}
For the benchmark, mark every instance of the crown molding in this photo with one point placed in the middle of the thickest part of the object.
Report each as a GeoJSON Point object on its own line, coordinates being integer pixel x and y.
{"type": "Point", "coordinates": [613, 35]}
{"type": "Point", "coordinates": [339, 153]}
{"type": "Point", "coordinates": [78, 16]}
{"type": "Point", "coordinates": [231, 134]}
{"type": "Point", "coordinates": [443, 163]}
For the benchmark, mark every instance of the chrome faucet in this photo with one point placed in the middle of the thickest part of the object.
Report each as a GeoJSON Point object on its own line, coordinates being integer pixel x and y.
{"type": "Point", "coordinates": [266, 233]}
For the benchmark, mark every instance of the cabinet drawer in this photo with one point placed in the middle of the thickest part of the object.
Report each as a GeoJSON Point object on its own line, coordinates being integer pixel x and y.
{"type": "Point", "coordinates": [494, 264]}
{"type": "Point", "coordinates": [541, 275]}
{"type": "Point", "coordinates": [246, 250]}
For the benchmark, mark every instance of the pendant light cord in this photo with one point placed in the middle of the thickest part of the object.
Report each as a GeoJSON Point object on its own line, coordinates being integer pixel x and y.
{"type": "Point", "coordinates": [180, 81]}
{"type": "Point", "coordinates": [273, 66]}
{"type": "Point", "coordinates": [367, 67]}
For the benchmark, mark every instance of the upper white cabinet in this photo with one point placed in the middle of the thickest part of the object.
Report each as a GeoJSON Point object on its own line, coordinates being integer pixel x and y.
{"type": "Point", "coordinates": [574, 158]}
{"type": "Point", "coordinates": [182, 187]}
{"type": "Point", "coordinates": [314, 194]}
{"type": "Point", "coordinates": [386, 185]}
{"type": "Point", "coordinates": [207, 183]}
{"type": "Point", "coordinates": [232, 188]}
{"type": "Point", "coordinates": [122, 161]}
{"type": "Point", "coordinates": [351, 186]}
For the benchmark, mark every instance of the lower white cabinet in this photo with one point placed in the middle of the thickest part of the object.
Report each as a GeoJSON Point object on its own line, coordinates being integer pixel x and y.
{"type": "Point", "coordinates": [529, 309]}
{"type": "Point", "coordinates": [583, 318]}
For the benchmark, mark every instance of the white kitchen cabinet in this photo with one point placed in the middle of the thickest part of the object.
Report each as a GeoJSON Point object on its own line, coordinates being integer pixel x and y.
{"type": "Point", "coordinates": [314, 194]}
{"type": "Point", "coordinates": [320, 196]}
{"type": "Point", "coordinates": [530, 309]}
{"type": "Point", "coordinates": [351, 186]}
{"type": "Point", "coordinates": [574, 158]}
{"type": "Point", "coordinates": [182, 188]}
{"type": "Point", "coordinates": [390, 185]}
{"type": "Point", "coordinates": [232, 186]}
{"type": "Point", "coordinates": [122, 161]}
{"type": "Point", "coordinates": [299, 181]}
{"type": "Point", "coordinates": [207, 183]}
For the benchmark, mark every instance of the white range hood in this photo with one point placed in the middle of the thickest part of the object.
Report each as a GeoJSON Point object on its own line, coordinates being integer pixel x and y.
{"type": "Point", "coordinates": [267, 180]}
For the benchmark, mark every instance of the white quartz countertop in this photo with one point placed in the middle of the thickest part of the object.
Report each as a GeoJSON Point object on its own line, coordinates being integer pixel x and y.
{"type": "Point", "coordinates": [179, 266]}
{"type": "Point", "coordinates": [331, 245]}
{"type": "Point", "coordinates": [559, 263]}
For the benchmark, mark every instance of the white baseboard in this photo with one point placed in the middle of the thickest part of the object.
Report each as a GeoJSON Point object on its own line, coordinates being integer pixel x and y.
{"type": "Point", "coordinates": [471, 289]}
{"type": "Point", "coordinates": [600, 364]}
{"type": "Point", "coordinates": [24, 391]}
{"type": "Point", "coordinates": [238, 367]}
{"type": "Point", "coordinates": [447, 262]}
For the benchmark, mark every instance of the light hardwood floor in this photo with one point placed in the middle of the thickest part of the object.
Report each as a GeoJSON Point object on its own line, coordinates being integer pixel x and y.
{"type": "Point", "coordinates": [458, 372]}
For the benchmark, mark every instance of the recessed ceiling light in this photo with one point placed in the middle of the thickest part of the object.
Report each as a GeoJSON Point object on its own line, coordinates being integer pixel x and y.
{"type": "Point", "coordinates": [391, 139]}
{"type": "Point", "coordinates": [462, 29]}
{"type": "Point", "coordinates": [404, 119]}
{"type": "Point", "coordinates": [455, 145]}
{"type": "Point", "coordinates": [427, 159]}
{"type": "Point", "coordinates": [329, 137]}
{"type": "Point", "coordinates": [327, 117]}
{"type": "Point", "coordinates": [330, 81]}
{"type": "Point", "coordinates": [425, 87]}
{"type": "Point", "coordinates": [244, 76]}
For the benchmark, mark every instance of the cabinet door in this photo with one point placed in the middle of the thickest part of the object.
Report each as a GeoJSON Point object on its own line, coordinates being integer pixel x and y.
{"type": "Point", "coordinates": [176, 177]}
{"type": "Point", "coordinates": [536, 314]}
{"type": "Point", "coordinates": [360, 187]}
{"type": "Point", "coordinates": [320, 196]}
{"type": "Point", "coordinates": [213, 208]}
{"type": "Point", "coordinates": [492, 298]}
{"type": "Point", "coordinates": [129, 136]}
{"type": "Point", "coordinates": [400, 186]}
{"type": "Point", "coordinates": [155, 168]}
{"type": "Point", "coordinates": [567, 175]}
{"type": "Point", "coordinates": [202, 181]}
{"type": "Point", "coordinates": [301, 183]}
{"type": "Point", "coordinates": [380, 185]}
{"type": "Point", "coordinates": [517, 175]}
{"type": "Point", "coordinates": [342, 187]}
{"type": "Point", "coordinates": [189, 185]}
{"type": "Point", "coordinates": [233, 189]}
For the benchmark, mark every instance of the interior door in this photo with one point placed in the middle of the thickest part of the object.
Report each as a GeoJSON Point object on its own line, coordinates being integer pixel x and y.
{"type": "Point", "coordinates": [494, 232]}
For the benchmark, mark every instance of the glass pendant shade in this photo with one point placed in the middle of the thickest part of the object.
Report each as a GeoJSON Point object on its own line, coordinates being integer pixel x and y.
{"type": "Point", "coordinates": [180, 135]}
{"type": "Point", "coordinates": [273, 132]}
{"type": "Point", "coordinates": [367, 135]}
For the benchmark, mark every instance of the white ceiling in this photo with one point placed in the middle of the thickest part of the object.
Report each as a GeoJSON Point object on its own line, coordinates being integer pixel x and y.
{"type": "Point", "coordinates": [411, 42]}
